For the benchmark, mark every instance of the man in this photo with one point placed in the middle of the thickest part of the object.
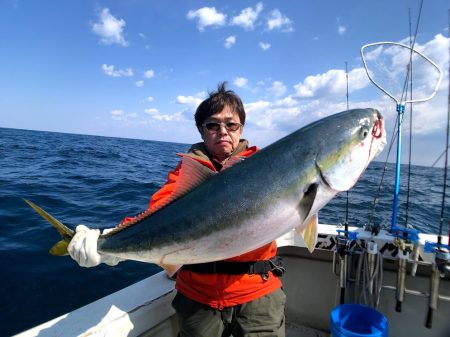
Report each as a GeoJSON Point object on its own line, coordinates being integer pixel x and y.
{"type": "Point", "coordinates": [242, 295]}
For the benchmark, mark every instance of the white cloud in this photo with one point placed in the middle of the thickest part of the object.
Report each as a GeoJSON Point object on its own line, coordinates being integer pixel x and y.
{"type": "Point", "coordinates": [341, 29]}
{"type": "Point", "coordinates": [318, 96]}
{"type": "Point", "coordinates": [156, 115]}
{"type": "Point", "coordinates": [149, 73]}
{"type": "Point", "coordinates": [279, 21]}
{"type": "Point", "coordinates": [333, 82]}
{"type": "Point", "coordinates": [134, 119]}
{"type": "Point", "coordinates": [117, 115]}
{"type": "Point", "coordinates": [277, 89]}
{"type": "Point", "coordinates": [109, 70]}
{"type": "Point", "coordinates": [139, 83]}
{"type": "Point", "coordinates": [191, 101]}
{"type": "Point", "coordinates": [240, 82]}
{"type": "Point", "coordinates": [207, 16]}
{"type": "Point", "coordinates": [110, 29]}
{"type": "Point", "coordinates": [149, 99]}
{"type": "Point", "coordinates": [247, 17]}
{"type": "Point", "coordinates": [151, 111]}
{"type": "Point", "coordinates": [230, 41]}
{"type": "Point", "coordinates": [264, 45]}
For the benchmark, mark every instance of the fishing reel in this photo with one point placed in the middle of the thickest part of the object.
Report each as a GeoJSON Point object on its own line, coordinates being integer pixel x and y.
{"type": "Point", "coordinates": [441, 256]}
{"type": "Point", "coordinates": [405, 239]}
{"type": "Point", "coordinates": [343, 240]}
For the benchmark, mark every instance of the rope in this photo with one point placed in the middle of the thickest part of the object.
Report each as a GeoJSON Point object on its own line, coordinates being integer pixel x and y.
{"type": "Point", "coordinates": [367, 286]}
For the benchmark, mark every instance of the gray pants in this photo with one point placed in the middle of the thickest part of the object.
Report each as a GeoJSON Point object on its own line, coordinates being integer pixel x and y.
{"type": "Point", "coordinates": [262, 317]}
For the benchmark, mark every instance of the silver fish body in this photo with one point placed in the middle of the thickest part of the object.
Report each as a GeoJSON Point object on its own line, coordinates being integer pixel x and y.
{"type": "Point", "coordinates": [280, 188]}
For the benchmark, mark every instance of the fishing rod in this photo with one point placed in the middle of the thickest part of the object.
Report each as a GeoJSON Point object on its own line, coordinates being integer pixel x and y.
{"type": "Point", "coordinates": [405, 238]}
{"type": "Point", "coordinates": [440, 156]}
{"type": "Point", "coordinates": [342, 239]}
{"type": "Point", "coordinates": [441, 265]}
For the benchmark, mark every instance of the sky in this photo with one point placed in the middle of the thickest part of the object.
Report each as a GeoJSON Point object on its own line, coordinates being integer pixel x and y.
{"type": "Point", "coordinates": [139, 68]}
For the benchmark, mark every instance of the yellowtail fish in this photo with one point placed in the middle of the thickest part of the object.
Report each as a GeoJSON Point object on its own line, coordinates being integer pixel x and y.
{"type": "Point", "coordinates": [214, 216]}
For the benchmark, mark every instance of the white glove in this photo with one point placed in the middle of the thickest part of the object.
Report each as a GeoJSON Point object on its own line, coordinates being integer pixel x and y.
{"type": "Point", "coordinates": [83, 248]}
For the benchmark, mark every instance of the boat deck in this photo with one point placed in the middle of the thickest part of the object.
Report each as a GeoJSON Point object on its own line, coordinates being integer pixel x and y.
{"type": "Point", "coordinates": [296, 330]}
{"type": "Point", "coordinates": [312, 291]}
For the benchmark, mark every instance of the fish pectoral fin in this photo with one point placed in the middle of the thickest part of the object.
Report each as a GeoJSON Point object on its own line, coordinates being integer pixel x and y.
{"type": "Point", "coordinates": [308, 227]}
{"type": "Point", "coordinates": [309, 231]}
{"type": "Point", "coordinates": [170, 269]}
{"type": "Point", "coordinates": [307, 201]}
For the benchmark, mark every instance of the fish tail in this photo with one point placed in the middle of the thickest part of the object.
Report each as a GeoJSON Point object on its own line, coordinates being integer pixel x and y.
{"type": "Point", "coordinates": [60, 248]}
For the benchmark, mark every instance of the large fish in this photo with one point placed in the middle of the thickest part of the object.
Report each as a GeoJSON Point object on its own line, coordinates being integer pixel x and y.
{"type": "Point", "coordinates": [217, 216]}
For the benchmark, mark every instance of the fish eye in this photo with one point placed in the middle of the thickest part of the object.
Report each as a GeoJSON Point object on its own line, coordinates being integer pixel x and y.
{"type": "Point", "coordinates": [364, 132]}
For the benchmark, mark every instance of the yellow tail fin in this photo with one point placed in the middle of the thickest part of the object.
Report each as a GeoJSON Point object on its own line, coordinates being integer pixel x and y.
{"type": "Point", "coordinates": [60, 248]}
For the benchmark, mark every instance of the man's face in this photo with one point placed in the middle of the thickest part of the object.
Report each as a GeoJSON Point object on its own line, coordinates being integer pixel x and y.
{"type": "Point", "coordinates": [221, 143]}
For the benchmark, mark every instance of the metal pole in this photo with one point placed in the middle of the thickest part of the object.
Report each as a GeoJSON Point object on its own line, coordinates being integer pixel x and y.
{"type": "Point", "coordinates": [400, 110]}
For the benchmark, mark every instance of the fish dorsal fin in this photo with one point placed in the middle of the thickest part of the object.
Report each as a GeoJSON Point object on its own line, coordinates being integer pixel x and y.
{"type": "Point", "coordinates": [233, 161]}
{"type": "Point", "coordinates": [191, 175]}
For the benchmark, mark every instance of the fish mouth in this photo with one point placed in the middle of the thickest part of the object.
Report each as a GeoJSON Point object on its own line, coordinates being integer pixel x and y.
{"type": "Point", "coordinates": [377, 130]}
{"type": "Point", "coordinates": [379, 134]}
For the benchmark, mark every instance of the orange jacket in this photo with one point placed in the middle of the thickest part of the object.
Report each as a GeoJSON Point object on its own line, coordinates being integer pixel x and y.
{"type": "Point", "coordinates": [221, 290]}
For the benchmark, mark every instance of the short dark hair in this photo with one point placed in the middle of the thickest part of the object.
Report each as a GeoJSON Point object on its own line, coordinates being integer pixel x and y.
{"type": "Point", "coordinates": [215, 103]}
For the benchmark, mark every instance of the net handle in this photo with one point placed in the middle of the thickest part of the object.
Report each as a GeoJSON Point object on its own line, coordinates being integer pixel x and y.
{"type": "Point", "coordinates": [412, 50]}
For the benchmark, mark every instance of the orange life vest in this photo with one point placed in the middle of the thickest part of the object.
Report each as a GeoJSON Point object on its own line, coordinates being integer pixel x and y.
{"type": "Point", "coordinates": [221, 290]}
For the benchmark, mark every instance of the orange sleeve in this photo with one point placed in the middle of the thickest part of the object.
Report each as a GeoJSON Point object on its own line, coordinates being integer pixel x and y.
{"type": "Point", "coordinates": [163, 193]}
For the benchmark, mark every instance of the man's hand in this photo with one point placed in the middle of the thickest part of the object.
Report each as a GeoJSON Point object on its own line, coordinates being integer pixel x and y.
{"type": "Point", "coordinates": [83, 248]}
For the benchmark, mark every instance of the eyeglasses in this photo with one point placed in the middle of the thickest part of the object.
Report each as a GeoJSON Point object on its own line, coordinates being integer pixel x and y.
{"type": "Point", "coordinates": [215, 126]}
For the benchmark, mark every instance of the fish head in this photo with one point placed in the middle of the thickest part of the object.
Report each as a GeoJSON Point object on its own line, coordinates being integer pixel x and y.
{"type": "Point", "coordinates": [357, 137]}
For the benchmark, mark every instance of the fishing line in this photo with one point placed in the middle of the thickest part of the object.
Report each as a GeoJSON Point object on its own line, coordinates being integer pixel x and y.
{"type": "Point", "coordinates": [347, 193]}
{"type": "Point", "coordinates": [441, 222]}
{"type": "Point", "coordinates": [410, 67]}
{"type": "Point", "coordinates": [409, 81]}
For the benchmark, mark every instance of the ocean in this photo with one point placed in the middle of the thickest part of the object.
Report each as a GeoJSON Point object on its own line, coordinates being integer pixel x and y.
{"type": "Point", "coordinates": [98, 181]}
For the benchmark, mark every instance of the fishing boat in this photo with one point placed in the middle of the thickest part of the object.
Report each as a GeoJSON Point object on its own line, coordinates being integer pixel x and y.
{"type": "Point", "coordinates": [400, 274]}
{"type": "Point", "coordinates": [410, 297]}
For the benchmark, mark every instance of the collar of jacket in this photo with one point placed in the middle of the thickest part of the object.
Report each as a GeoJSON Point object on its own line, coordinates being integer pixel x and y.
{"type": "Point", "coordinates": [198, 152]}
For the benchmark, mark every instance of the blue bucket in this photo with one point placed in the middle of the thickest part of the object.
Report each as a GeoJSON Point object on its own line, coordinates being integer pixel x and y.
{"type": "Point", "coordinates": [356, 320]}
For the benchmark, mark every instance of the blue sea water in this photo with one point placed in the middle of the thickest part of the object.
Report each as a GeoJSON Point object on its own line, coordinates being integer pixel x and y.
{"type": "Point", "coordinates": [100, 180]}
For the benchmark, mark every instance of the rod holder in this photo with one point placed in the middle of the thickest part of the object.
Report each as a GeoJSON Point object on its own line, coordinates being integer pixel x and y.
{"type": "Point", "coordinates": [401, 280]}
{"type": "Point", "coordinates": [440, 268]}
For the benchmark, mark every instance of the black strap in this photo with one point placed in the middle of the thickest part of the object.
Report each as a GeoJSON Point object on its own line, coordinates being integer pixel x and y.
{"type": "Point", "coordinates": [237, 268]}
